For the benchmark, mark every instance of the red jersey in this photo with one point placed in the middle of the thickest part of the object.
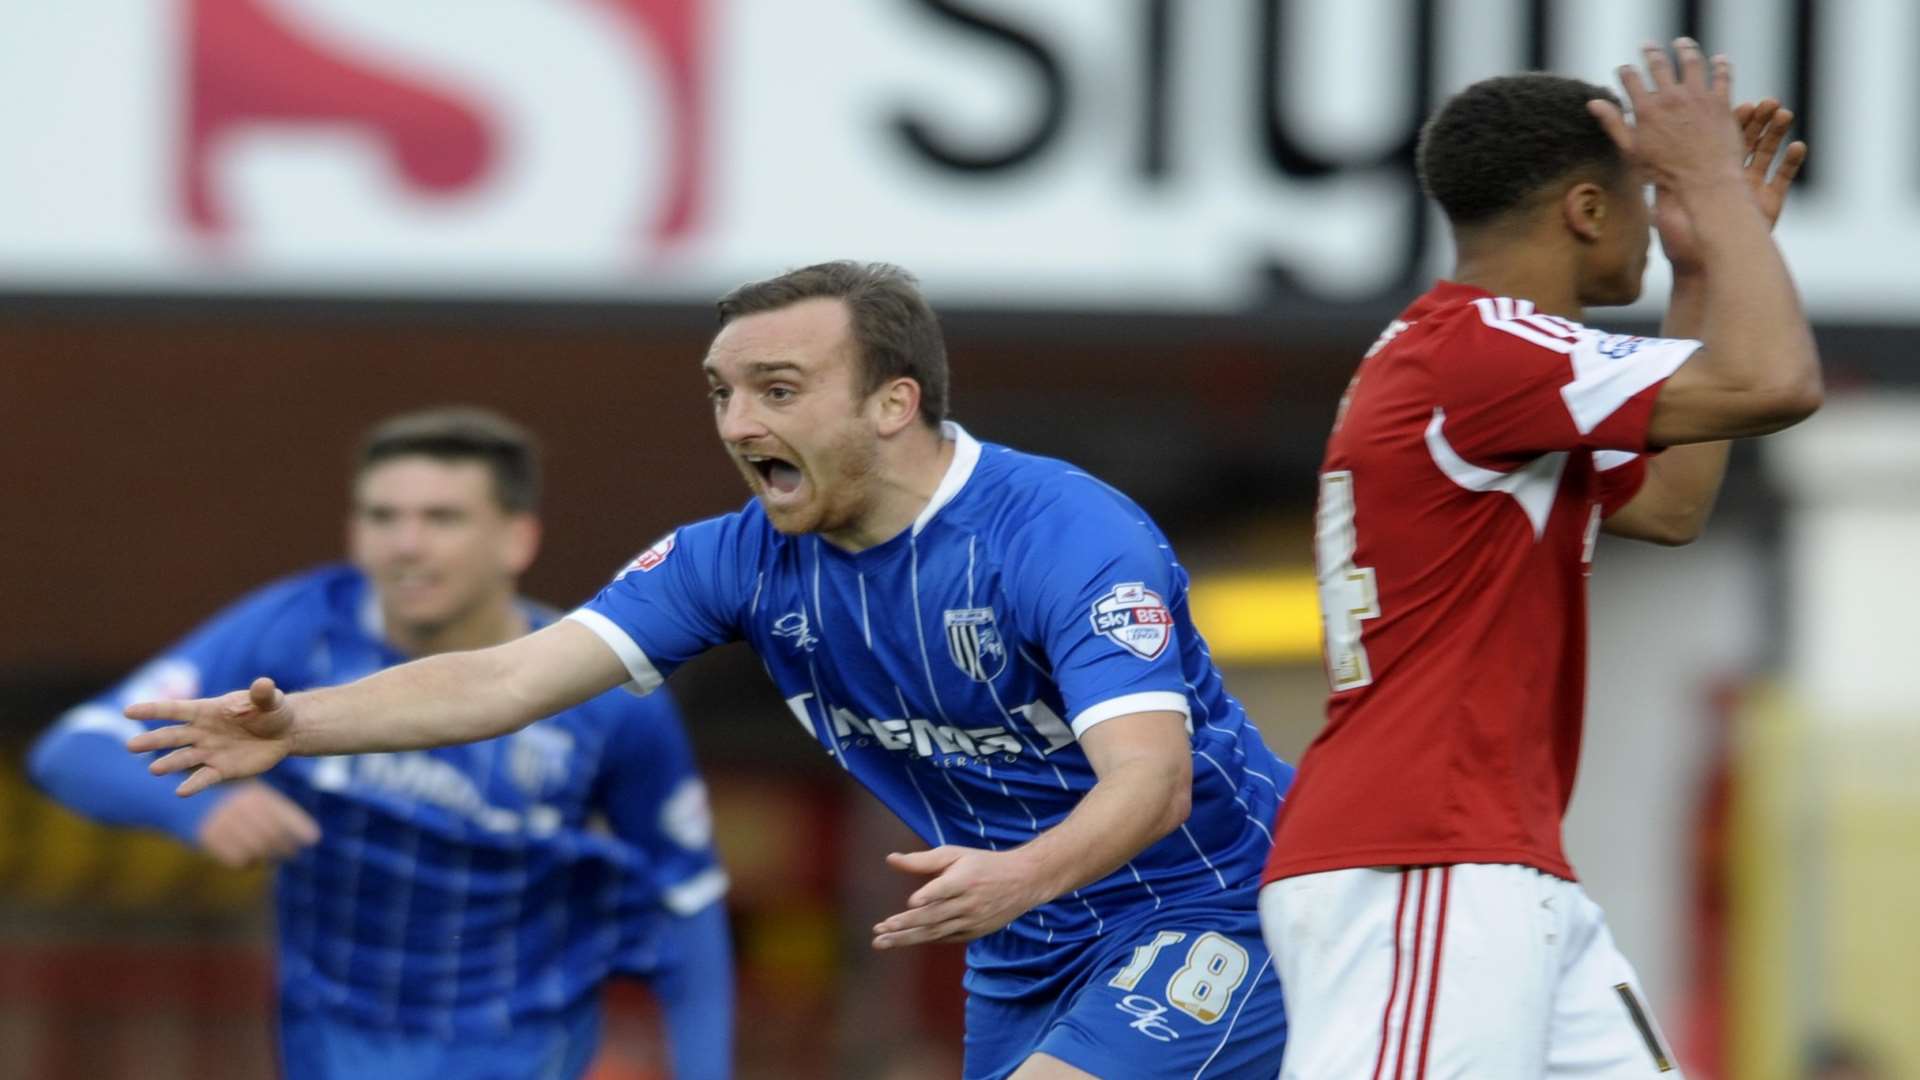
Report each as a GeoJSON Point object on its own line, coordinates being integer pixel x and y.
{"type": "Point", "coordinates": [1476, 451]}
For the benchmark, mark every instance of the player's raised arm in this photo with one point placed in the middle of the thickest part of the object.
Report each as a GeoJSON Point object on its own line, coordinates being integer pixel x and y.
{"type": "Point", "coordinates": [441, 700]}
{"type": "Point", "coordinates": [1672, 504]}
{"type": "Point", "coordinates": [1760, 370]}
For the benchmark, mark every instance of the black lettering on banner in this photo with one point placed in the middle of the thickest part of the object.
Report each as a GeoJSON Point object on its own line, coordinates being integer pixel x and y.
{"type": "Point", "coordinates": [1806, 39]}
{"type": "Point", "coordinates": [1156, 94]}
{"type": "Point", "coordinates": [1047, 122]}
{"type": "Point", "coordinates": [1287, 154]}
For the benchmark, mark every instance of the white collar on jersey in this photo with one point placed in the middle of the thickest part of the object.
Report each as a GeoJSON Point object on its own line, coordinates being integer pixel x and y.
{"type": "Point", "coordinates": [966, 455]}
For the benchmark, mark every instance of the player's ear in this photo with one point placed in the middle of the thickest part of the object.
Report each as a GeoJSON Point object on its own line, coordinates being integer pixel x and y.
{"type": "Point", "coordinates": [897, 405]}
{"type": "Point", "coordinates": [1583, 208]}
{"type": "Point", "coordinates": [522, 543]}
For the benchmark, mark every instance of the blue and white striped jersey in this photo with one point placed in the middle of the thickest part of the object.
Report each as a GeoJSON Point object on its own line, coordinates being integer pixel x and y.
{"type": "Point", "coordinates": [453, 890]}
{"type": "Point", "coordinates": [953, 668]}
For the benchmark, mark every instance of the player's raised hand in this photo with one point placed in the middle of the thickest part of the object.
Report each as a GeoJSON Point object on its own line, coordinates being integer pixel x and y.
{"type": "Point", "coordinates": [256, 824]}
{"type": "Point", "coordinates": [236, 735]}
{"type": "Point", "coordinates": [1682, 132]}
{"type": "Point", "coordinates": [1763, 126]}
{"type": "Point", "coordinates": [972, 894]}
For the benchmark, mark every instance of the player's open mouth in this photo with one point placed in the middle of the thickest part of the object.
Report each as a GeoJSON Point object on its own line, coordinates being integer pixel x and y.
{"type": "Point", "coordinates": [777, 477]}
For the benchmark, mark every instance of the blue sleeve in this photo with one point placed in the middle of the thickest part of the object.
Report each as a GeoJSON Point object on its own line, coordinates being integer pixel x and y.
{"type": "Point", "coordinates": [1092, 580]}
{"type": "Point", "coordinates": [696, 995]}
{"type": "Point", "coordinates": [654, 799]}
{"type": "Point", "coordinates": [679, 598]}
{"type": "Point", "coordinates": [82, 760]}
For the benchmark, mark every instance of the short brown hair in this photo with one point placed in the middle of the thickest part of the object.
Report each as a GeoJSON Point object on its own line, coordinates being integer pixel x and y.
{"type": "Point", "coordinates": [895, 329]}
{"type": "Point", "coordinates": [463, 433]}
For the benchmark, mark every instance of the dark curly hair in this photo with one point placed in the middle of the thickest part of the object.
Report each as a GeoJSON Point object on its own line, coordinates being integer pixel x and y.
{"type": "Point", "coordinates": [1494, 145]}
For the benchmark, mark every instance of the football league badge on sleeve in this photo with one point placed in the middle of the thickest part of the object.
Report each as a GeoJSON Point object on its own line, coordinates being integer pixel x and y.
{"type": "Point", "coordinates": [975, 644]}
{"type": "Point", "coordinates": [1134, 617]}
{"type": "Point", "coordinates": [647, 560]}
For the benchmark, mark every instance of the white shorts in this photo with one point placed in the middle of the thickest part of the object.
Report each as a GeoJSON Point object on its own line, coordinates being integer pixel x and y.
{"type": "Point", "coordinates": [1474, 971]}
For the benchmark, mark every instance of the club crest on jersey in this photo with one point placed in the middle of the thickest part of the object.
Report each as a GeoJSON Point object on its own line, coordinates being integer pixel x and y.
{"type": "Point", "coordinates": [1134, 617]}
{"type": "Point", "coordinates": [975, 644]}
{"type": "Point", "coordinates": [793, 626]}
{"type": "Point", "coordinates": [652, 557]}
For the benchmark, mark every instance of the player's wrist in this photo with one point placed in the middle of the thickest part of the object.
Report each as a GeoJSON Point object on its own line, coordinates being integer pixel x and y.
{"type": "Point", "coordinates": [299, 734]}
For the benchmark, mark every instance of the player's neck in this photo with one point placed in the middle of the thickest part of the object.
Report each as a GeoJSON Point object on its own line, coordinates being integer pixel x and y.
{"type": "Point", "coordinates": [902, 487]}
{"type": "Point", "coordinates": [495, 622]}
{"type": "Point", "coordinates": [1524, 268]}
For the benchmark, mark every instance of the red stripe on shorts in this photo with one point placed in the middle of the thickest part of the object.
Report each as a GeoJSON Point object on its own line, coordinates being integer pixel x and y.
{"type": "Point", "coordinates": [1413, 980]}
{"type": "Point", "coordinates": [1433, 988]}
{"type": "Point", "coordinates": [1393, 984]}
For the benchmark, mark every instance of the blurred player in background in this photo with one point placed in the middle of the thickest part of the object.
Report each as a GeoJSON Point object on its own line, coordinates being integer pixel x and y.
{"type": "Point", "coordinates": [447, 913]}
{"type": "Point", "coordinates": [1422, 913]}
{"type": "Point", "coordinates": [997, 645]}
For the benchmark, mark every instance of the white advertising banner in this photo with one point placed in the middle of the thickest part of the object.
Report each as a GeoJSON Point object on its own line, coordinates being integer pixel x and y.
{"type": "Point", "coordinates": [1179, 155]}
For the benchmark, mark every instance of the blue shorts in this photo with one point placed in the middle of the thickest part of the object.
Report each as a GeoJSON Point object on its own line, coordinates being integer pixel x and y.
{"type": "Point", "coordinates": [1180, 994]}
{"type": "Point", "coordinates": [314, 1046]}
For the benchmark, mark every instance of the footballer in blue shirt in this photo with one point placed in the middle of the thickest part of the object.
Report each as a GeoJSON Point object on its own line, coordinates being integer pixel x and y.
{"type": "Point", "coordinates": [997, 645]}
{"type": "Point", "coordinates": [449, 912]}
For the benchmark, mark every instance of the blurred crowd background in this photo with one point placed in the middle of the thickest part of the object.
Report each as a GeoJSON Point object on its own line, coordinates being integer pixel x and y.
{"type": "Point", "coordinates": [234, 233]}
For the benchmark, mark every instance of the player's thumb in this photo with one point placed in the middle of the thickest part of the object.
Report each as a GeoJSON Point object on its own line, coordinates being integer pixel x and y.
{"type": "Point", "coordinates": [264, 695]}
{"type": "Point", "coordinates": [931, 861]}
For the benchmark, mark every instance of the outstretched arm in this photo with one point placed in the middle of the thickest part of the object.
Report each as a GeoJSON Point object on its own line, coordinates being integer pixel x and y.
{"type": "Point", "coordinates": [438, 701]}
{"type": "Point", "coordinates": [1144, 762]}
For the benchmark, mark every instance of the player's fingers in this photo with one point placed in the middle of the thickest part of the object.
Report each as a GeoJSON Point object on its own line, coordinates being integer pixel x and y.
{"type": "Point", "coordinates": [930, 861]}
{"type": "Point", "coordinates": [954, 929]}
{"type": "Point", "coordinates": [1659, 66]}
{"type": "Point", "coordinates": [1634, 86]}
{"type": "Point", "coordinates": [1752, 118]}
{"type": "Point", "coordinates": [1768, 144]}
{"type": "Point", "coordinates": [165, 738]}
{"type": "Point", "coordinates": [227, 850]}
{"type": "Point", "coordinates": [1721, 74]}
{"type": "Point", "coordinates": [1790, 164]}
{"type": "Point", "coordinates": [297, 824]}
{"type": "Point", "coordinates": [198, 781]}
{"type": "Point", "coordinates": [251, 838]}
{"type": "Point", "coordinates": [1613, 123]}
{"type": "Point", "coordinates": [913, 918]}
{"type": "Point", "coordinates": [178, 711]}
{"type": "Point", "coordinates": [186, 757]}
{"type": "Point", "coordinates": [1693, 63]}
{"type": "Point", "coordinates": [940, 888]}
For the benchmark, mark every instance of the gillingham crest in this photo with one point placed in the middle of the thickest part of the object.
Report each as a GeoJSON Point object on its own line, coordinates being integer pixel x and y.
{"type": "Point", "coordinates": [975, 644]}
{"type": "Point", "coordinates": [1134, 617]}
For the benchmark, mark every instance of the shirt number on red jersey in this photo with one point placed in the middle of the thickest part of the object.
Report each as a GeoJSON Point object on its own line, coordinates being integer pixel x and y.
{"type": "Point", "coordinates": [1348, 596]}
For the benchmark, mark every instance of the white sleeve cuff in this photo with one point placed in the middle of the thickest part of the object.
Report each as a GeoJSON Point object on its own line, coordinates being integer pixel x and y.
{"type": "Point", "coordinates": [1603, 382]}
{"type": "Point", "coordinates": [1150, 701]}
{"type": "Point", "coordinates": [646, 678]}
{"type": "Point", "coordinates": [690, 896]}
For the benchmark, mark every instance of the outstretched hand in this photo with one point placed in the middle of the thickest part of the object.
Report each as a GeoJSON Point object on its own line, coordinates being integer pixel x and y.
{"type": "Point", "coordinates": [236, 735]}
